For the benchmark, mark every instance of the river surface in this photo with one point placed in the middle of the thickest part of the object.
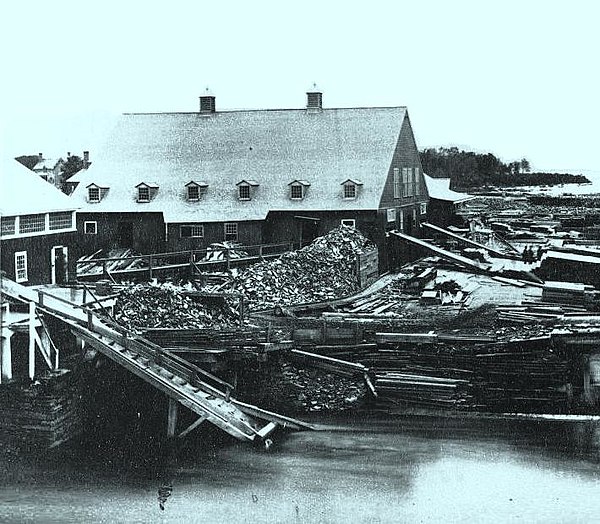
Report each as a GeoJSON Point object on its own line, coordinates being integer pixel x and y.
{"type": "Point", "coordinates": [401, 470]}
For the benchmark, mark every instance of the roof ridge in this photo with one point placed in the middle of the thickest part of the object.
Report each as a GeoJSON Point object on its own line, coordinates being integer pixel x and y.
{"type": "Point", "coordinates": [301, 109]}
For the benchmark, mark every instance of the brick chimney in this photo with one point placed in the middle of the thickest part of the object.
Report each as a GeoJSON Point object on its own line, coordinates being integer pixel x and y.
{"type": "Point", "coordinates": [86, 159]}
{"type": "Point", "coordinates": [314, 98]}
{"type": "Point", "coordinates": [207, 102]}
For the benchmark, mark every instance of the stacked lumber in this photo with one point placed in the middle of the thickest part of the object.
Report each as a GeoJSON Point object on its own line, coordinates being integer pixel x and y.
{"type": "Point", "coordinates": [467, 373]}
{"type": "Point", "coordinates": [166, 306]}
{"type": "Point", "coordinates": [323, 270]}
{"type": "Point", "coordinates": [40, 414]}
{"type": "Point", "coordinates": [124, 260]}
{"type": "Point", "coordinates": [517, 380]}
{"type": "Point", "coordinates": [566, 293]}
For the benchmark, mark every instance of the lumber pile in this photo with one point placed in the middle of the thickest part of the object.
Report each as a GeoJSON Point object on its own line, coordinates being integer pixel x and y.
{"type": "Point", "coordinates": [123, 261]}
{"type": "Point", "coordinates": [167, 306]}
{"type": "Point", "coordinates": [464, 373]}
{"type": "Point", "coordinates": [45, 413]}
{"type": "Point", "coordinates": [323, 270]}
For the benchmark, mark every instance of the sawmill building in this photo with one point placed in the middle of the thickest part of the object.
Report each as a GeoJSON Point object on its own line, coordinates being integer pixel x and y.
{"type": "Point", "coordinates": [38, 233]}
{"type": "Point", "coordinates": [180, 181]}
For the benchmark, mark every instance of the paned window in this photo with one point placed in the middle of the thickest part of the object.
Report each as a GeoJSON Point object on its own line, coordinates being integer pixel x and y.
{"type": "Point", "coordinates": [405, 181]}
{"type": "Point", "coordinates": [90, 228]}
{"type": "Point", "coordinates": [297, 192]}
{"type": "Point", "coordinates": [193, 192]}
{"type": "Point", "coordinates": [32, 223]}
{"type": "Point", "coordinates": [8, 225]}
{"type": "Point", "coordinates": [397, 191]}
{"type": "Point", "coordinates": [423, 208]}
{"type": "Point", "coordinates": [231, 231]}
{"type": "Point", "coordinates": [21, 266]}
{"type": "Point", "coordinates": [192, 231]}
{"type": "Point", "coordinates": [63, 220]}
{"type": "Point", "coordinates": [143, 194]}
{"type": "Point", "coordinates": [348, 222]}
{"type": "Point", "coordinates": [417, 181]}
{"type": "Point", "coordinates": [94, 194]}
{"type": "Point", "coordinates": [349, 191]}
{"type": "Point", "coordinates": [244, 192]}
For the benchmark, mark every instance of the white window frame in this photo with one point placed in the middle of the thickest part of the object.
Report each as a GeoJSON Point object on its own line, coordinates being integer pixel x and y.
{"type": "Point", "coordinates": [21, 269]}
{"type": "Point", "coordinates": [146, 191]}
{"type": "Point", "coordinates": [95, 199]}
{"type": "Point", "coordinates": [55, 215]}
{"type": "Point", "coordinates": [246, 188]}
{"type": "Point", "coordinates": [196, 230]}
{"type": "Point", "coordinates": [401, 221]}
{"type": "Point", "coordinates": [417, 181]}
{"type": "Point", "coordinates": [348, 222]}
{"type": "Point", "coordinates": [423, 208]}
{"type": "Point", "coordinates": [234, 231]}
{"type": "Point", "coordinates": [347, 187]}
{"type": "Point", "coordinates": [23, 224]}
{"type": "Point", "coordinates": [196, 188]}
{"type": "Point", "coordinates": [397, 185]}
{"type": "Point", "coordinates": [297, 186]}
{"type": "Point", "coordinates": [90, 223]}
{"type": "Point", "coordinates": [9, 231]}
{"type": "Point", "coordinates": [405, 186]}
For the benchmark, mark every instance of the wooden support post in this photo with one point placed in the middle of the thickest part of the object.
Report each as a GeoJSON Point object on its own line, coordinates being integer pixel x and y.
{"type": "Point", "coordinates": [260, 251]}
{"type": "Point", "coordinates": [588, 390]}
{"type": "Point", "coordinates": [104, 270]}
{"type": "Point", "coordinates": [150, 266]}
{"type": "Point", "coordinates": [192, 426]}
{"type": "Point", "coordinates": [228, 258]}
{"type": "Point", "coordinates": [242, 312]}
{"type": "Point", "coordinates": [172, 418]}
{"type": "Point", "coordinates": [90, 320]}
{"type": "Point", "coordinates": [5, 356]}
{"type": "Point", "coordinates": [40, 297]}
{"type": "Point", "coordinates": [32, 336]}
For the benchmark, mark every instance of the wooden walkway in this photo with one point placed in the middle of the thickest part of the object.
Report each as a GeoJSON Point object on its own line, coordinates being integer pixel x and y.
{"type": "Point", "coordinates": [184, 383]}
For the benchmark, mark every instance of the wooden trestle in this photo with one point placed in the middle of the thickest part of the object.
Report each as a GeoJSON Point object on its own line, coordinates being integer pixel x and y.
{"type": "Point", "coordinates": [183, 382]}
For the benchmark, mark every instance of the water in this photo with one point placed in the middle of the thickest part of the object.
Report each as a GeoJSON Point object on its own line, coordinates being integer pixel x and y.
{"type": "Point", "coordinates": [361, 471]}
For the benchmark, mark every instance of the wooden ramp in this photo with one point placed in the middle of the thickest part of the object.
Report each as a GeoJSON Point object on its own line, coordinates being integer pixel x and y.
{"type": "Point", "coordinates": [467, 241]}
{"type": "Point", "coordinates": [190, 386]}
{"type": "Point", "coordinates": [443, 253]}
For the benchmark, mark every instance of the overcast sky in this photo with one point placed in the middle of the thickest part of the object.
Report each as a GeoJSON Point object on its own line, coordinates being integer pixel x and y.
{"type": "Point", "coordinates": [516, 78]}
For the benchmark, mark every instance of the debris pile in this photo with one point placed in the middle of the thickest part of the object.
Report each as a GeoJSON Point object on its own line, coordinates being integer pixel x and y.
{"type": "Point", "coordinates": [167, 306]}
{"type": "Point", "coordinates": [299, 390]}
{"type": "Point", "coordinates": [323, 270]}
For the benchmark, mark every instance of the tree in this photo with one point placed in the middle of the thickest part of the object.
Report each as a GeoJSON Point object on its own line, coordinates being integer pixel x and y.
{"type": "Point", "coordinates": [73, 165]}
{"type": "Point", "coordinates": [525, 165]}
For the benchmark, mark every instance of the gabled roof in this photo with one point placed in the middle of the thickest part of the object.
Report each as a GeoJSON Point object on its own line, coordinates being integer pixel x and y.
{"type": "Point", "coordinates": [24, 192]}
{"type": "Point", "coordinates": [439, 189]}
{"type": "Point", "coordinates": [301, 182]}
{"type": "Point", "coordinates": [193, 183]}
{"type": "Point", "coordinates": [270, 147]}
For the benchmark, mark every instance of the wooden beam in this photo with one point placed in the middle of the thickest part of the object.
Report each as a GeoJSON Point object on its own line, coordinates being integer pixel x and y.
{"type": "Point", "coordinates": [192, 426]}
{"type": "Point", "coordinates": [172, 417]}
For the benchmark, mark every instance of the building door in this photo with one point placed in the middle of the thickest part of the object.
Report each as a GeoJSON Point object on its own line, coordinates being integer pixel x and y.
{"type": "Point", "coordinates": [59, 261]}
{"type": "Point", "coordinates": [309, 230]}
{"type": "Point", "coordinates": [125, 234]}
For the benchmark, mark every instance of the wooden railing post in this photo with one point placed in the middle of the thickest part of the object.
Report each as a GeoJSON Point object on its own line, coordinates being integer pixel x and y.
{"type": "Point", "coordinates": [150, 266]}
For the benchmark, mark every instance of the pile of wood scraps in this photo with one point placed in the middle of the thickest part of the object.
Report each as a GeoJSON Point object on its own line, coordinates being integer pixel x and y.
{"type": "Point", "coordinates": [163, 305]}
{"type": "Point", "coordinates": [323, 270]}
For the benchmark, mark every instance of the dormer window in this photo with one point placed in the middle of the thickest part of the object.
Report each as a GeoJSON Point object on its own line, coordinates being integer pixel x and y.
{"type": "Point", "coordinates": [351, 188]}
{"type": "Point", "coordinates": [195, 190]}
{"type": "Point", "coordinates": [146, 192]}
{"type": "Point", "coordinates": [96, 193]}
{"type": "Point", "coordinates": [246, 189]}
{"type": "Point", "coordinates": [298, 189]}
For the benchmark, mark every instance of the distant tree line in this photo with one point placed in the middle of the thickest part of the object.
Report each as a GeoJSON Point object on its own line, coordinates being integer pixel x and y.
{"type": "Point", "coordinates": [467, 169]}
